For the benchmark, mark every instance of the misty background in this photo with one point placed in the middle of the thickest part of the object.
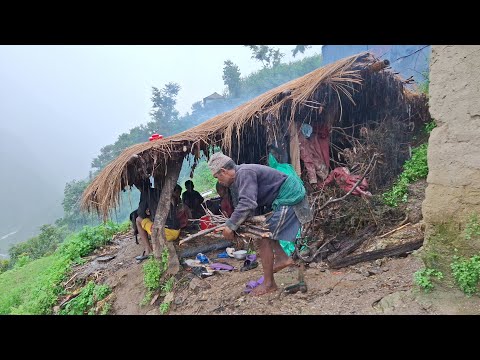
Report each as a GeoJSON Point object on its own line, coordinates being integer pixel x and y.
{"type": "Point", "coordinates": [59, 105]}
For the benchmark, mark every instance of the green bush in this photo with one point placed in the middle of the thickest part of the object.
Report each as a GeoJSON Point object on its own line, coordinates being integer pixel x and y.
{"type": "Point", "coordinates": [22, 260]}
{"type": "Point", "coordinates": [85, 302]}
{"type": "Point", "coordinates": [90, 238]}
{"type": "Point", "coordinates": [44, 244]}
{"type": "Point", "coordinates": [4, 265]}
{"type": "Point", "coordinates": [423, 278]}
{"type": "Point", "coordinates": [466, 273]}
{"type": "Point", "coordinates": [152, 271]}
{"type": "Point", "coordinates": [414, 169]}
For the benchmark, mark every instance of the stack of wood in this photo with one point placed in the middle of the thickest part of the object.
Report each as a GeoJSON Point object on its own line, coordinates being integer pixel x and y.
{"type": "Point", "coordinates": [254, 227]}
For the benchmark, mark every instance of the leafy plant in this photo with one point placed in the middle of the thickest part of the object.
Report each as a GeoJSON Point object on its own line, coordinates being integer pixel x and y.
{"type": "Point", "coordinates": [168, 285]}
{"type": "Point", "coordinates": [4, 264]}
{"type": "Point", "coordinates": [90, 238]}
{"type": "Point", "coordinates": [423, 278]}
{"type": "Point", "coordinates": [22, 260]}
{"type": "Point", "coordinates": [466, 273]}
{"type": "Point", "coordinates": [430, 126]}
{"type": "Point", "coordinates": [164, 259]}
{"type": "Point", "coordinates": [85, 302]}
{"type": "Point", "coordinates": [164, 307]}
{"type": "Point", "coordinates": [152, 271]}
{"type": "Point", "coordinates": [414, 169]}
{"type": "Point", "coordinates": [106, 309]}
{"type": "Point", "coordinates": [472, 230]}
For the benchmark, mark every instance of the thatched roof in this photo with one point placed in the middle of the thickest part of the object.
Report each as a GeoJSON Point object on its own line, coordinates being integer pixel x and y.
{"type": "Point", "coordinates": [321, 89]}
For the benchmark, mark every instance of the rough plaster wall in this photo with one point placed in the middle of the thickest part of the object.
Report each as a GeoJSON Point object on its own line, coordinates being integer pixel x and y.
{"type": "Point", "coordinates": [453, 189]}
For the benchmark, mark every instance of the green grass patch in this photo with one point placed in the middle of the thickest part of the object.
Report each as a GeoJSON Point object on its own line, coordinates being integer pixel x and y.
{"type": "Point", "coordinates": [33, 286]}
{"type": "Point", "coordinates": [85, 302]}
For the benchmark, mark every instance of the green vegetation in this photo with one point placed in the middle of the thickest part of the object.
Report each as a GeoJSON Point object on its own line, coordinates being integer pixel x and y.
{"type": "Point", "coordinates": [44, 244]}
{"type": "Point", "coordinates": [167, 288]}
{"type": "Point", "coordinates": [415, 168]}
{"type": "Point", "coordinates": [152, 272]}
{"type": "Point", "coordinates": [446, 239]}
{"type": "Point", "coordinates": [472, 230]}
{"type": "Point", "coordinates": [203, 179]}
{"type": "Point", "coordinates": [424, 86]}
{"type": "Point", "coordinates": [33, 286]}
{"type": "Point", "coordinates": [90, 238]}
{"type": "Point", "coordinates": [85, 302]}
{"type": "Point", "coordinates": [4, 264]}
{"type": "Point", "coordinates": [423, 278]}
{"type": "Point", "coordinates": [466, 273]}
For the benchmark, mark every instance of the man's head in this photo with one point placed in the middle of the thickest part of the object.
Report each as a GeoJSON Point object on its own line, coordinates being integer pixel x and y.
{"type": "Point", "coordinates": [222, 168]}
{"type": "Point", "coordinates": [177, 191]}
{"type": "Point", "coordinates": [189, 185]}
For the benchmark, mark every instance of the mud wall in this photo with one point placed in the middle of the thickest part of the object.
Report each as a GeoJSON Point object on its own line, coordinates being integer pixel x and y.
{"type": "Point", "coordinates": [453, 191]}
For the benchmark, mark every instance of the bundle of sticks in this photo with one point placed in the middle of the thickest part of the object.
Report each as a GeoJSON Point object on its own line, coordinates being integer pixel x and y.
{"type": "Point", "coordinates": [255, 226]}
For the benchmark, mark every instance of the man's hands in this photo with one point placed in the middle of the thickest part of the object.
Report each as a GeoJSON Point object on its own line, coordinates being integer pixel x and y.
{"type": "Point", "coordinates": [227, 233]}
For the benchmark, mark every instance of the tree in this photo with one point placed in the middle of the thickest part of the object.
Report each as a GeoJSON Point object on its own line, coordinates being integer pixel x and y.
{"type": "Point", "coordinates": [73, 216]}
{"type": "Point", "coordinates": [44, 244]}
{"type": "Point", "coordinates": [164, 113]}
{"type": "Point", "coordinates": [197, 106]}
{"type": "Point", "coordinates": [300, 49]}
{"type": "Point", "coordinates": [231, 78]}
{"type": "Point", "coordinates": [270, 57]}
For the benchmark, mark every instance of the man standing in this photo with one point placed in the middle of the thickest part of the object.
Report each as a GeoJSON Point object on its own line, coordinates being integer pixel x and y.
{"type": "Point", "coordinates": [260, 185]}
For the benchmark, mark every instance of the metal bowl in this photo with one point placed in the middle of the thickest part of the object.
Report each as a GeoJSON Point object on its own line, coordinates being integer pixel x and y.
{"type": "Point", "coordinates": [240, 254]}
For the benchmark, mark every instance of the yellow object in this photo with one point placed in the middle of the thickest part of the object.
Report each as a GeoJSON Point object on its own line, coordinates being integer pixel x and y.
{"type": "Point", "coordinates": [170, 234]}
{"type": "Point", "coordinates": [147, 225]}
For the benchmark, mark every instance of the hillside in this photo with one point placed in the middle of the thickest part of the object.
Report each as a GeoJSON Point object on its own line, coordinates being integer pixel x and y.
{"type": "Point", "coordinates": [383, 286]}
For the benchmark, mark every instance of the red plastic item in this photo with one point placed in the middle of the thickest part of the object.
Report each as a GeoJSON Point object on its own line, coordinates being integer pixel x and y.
{"type": "Point", "coordinates": [155, 137]}
{"type": "Point", "coordinates": [205, 223]}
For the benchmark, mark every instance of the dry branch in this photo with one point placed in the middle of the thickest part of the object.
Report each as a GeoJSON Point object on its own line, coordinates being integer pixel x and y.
{"type": "Point", "coordinates": [391, 232]}
{"type": "Point", "coordinates": [377, 254]}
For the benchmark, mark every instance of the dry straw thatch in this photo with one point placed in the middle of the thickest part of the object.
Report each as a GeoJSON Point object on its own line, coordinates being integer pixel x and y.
{"type": "Point", "coordinates": [304, 95]}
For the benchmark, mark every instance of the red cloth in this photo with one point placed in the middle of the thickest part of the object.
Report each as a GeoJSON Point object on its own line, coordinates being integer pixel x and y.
{"type": "Point", "coordinates": [314, 151]}
{"type": "Point", "coordinates": [183, 214]}
{"type": "Point", "coordinates": [346, 181]}
{"type": "Point", "coordinates": [226, 206]}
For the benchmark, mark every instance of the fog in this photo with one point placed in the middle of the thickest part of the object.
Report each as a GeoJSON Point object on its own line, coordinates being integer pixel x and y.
{"type": "Point", "coordinates": [59, 105]}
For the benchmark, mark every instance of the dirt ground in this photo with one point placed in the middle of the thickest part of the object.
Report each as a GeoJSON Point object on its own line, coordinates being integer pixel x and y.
{"type": "Point", "coordinates": [383, 286]}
